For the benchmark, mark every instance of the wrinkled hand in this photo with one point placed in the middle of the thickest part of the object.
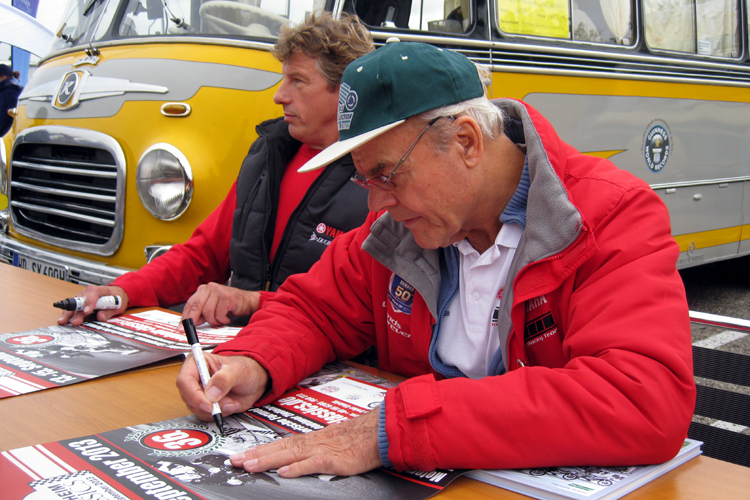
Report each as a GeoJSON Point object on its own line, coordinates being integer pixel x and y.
{"type": "Point", "coordinates": [236, 383]}
{"type": "Point", "coordinates": [92, 294]}
{"type": "Point", "coordinates": [217, 304]}
{"type": "Point", "coordinates": [344, 449]}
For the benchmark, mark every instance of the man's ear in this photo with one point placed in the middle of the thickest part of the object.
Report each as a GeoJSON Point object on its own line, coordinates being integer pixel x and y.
{"type": "Point", "coordinates": [471, 140]}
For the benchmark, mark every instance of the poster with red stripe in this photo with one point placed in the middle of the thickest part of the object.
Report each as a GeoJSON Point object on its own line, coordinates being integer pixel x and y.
{"type": "Point", "coordinates": [55, 356]}
{"type": "Point", "coordinates": [185, 458]}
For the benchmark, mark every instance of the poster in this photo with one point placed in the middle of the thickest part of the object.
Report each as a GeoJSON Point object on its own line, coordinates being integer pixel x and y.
{"type": "Point", "coordinates": [185, 458]}
{"type": "Point", "coordinates": [55, 356]}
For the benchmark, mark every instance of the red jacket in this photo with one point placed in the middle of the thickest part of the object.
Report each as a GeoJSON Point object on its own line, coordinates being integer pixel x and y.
{"type": "Point", "coordinates": [594, 327]}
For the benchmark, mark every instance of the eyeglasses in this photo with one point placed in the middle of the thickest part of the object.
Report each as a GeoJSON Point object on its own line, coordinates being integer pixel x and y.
{"type": "Point", "coordinates": [385, 182]}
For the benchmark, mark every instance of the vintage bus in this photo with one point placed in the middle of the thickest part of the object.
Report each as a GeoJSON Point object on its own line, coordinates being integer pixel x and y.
{"type": "Point", "coordinates": [134, 126]}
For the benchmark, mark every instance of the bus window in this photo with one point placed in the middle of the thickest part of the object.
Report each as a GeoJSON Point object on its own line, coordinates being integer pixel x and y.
{"type": "Point", "coordinates": [547, 18]}
{"type": "Point", "coordinates": [704, 27]}
{"type": "Point", "coordinates": [213, 17]}
{"type": "Point", "coordinates": [602, 21]}
{"type": "Point", "coordinates": [598, 21]}
{"type": "Point", "coordinates": [445, 16]}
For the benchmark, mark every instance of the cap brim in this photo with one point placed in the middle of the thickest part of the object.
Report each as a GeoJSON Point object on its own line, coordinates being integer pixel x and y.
{"type": "Point", "coordinates": [340, 148]}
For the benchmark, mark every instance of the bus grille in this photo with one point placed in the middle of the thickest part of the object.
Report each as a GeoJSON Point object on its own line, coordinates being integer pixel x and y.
{"type": "Point", "coordinates": [67, 188]}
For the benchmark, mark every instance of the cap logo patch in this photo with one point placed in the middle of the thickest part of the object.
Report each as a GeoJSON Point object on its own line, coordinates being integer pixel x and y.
{"type": "Point", "coordinates": [347, 102]}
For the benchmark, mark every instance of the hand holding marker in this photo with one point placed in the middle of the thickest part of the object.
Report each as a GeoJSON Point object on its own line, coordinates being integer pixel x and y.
{"type": "Point", "coordinates": [200, 361]}
{"type": "Point", "coordinates": [77, 303]}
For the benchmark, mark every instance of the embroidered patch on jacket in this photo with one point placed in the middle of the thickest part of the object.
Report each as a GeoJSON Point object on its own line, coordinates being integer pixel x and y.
{"type": "Point", "coordinates": [542, 324]}
{"type": "Point", "coordinates": [400, 294]}
{"type": "Point", "coordinates": [325, 234]}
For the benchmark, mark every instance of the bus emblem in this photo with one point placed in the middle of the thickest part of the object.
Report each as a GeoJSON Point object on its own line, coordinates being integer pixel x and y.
{"type": "Point", "coordinates": [656, 148]}
{"type": "Point", "coordinates": [67, 94]}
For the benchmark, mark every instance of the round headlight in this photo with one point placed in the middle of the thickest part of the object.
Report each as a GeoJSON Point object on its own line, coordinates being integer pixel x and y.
{"type": "Point", "coordinates": [164, 181]}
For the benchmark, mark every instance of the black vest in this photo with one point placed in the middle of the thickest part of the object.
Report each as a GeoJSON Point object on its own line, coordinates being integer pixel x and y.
{"type": "Point", "coordinates": [331, 206]}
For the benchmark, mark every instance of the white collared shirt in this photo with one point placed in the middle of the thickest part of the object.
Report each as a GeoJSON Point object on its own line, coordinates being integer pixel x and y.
{"type": "Point", "coordinates": [468, 334]}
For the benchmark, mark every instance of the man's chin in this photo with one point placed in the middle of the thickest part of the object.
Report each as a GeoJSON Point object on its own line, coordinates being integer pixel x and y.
{"type": "Point", "coordinates": [426, 242]}
{"type": "Point", "coordinates": [295, 130]}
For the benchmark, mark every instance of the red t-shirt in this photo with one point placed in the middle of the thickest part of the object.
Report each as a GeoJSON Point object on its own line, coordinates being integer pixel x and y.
{"type": "Point", "coordinates": [294, 185]}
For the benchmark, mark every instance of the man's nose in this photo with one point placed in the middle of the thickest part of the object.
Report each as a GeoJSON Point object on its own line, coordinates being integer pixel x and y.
{"type": "Point", "coordinates": [280, 96]}
{"type": "Point", "coordinates": [380, 199]}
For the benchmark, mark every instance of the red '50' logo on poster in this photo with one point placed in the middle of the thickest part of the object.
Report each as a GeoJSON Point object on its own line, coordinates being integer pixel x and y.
{"type": "Point", "coordinates": [30, 339]}
{"type": "Point", "coordinates": [176, 439]}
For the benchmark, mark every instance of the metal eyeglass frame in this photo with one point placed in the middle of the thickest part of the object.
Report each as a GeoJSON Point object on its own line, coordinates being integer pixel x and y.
{"type": "Point", "coordinates": [384, 182]}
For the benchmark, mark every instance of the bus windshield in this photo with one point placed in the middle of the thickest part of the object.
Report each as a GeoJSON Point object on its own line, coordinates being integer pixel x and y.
{"type": "Point", "coordinates": [87, 21]}
{"type": "Point", "coordinates": [81, 22]}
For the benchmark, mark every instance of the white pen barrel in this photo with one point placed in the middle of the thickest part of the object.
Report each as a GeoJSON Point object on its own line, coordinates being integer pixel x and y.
{"type": "Point", "coordinates": [200, 362]}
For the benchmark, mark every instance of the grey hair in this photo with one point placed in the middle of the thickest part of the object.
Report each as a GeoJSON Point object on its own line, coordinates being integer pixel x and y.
{"type": "Point", "coordinates": [489, 117]}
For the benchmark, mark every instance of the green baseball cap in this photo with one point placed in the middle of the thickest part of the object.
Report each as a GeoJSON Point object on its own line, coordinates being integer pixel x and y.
{"type": "Point", "coordinates": [380, 90]}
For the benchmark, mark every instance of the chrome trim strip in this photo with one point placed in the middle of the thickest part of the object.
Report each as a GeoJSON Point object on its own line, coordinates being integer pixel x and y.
{"type": "Point", "coordinates": [197, 40]}
{"type": "Point", "coordinates": [67, 162]}
{"type": "Point", "coordinates": [65, 170]}
{"type": "Point", "coordinates": [65, 192]}
{"type": "Point", "coordinates": [705, 182]}
{"type": "Point", "coordinates": [618, 53]}
{"type": "Point", "coordinates": [620, 76]}
{"type": "Point", "coordinates": [102, 86]}
{"type": "Point", "coordinates": [56, 134]}
{"type": "Point", "coordinates": [63, 213]}
{"type": "Point", "coordinates": [4, 221]}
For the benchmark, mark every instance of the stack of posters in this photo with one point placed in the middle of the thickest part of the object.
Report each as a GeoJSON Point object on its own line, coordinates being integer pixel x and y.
{"type": "Point", "coordinates": [583, 483]}
{"type": "Point", "coordinates": [55, 356]}
{"type": "Point", "coordinates": [185, 458]}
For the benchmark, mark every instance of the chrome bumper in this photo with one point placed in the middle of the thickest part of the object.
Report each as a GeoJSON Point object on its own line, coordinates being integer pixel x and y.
{"type": "Point", "coordinates": [81, 271]}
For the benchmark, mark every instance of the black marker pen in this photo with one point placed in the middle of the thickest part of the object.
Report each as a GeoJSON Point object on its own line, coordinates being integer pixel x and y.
{"type": "Point", "coordinates": [200, 361]}
{"type": "Point", "coordinates": [77, 303]}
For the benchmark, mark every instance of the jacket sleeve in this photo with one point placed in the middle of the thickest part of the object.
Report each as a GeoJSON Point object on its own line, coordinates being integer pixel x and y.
{"type": "Point", "coordinates": [314, 318]}
{"type": "Point", "coordinates": [624, 396]}
{"type": "Point", "coordinates": [173, 277]}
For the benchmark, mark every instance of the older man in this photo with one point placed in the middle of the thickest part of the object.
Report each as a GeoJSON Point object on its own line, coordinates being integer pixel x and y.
{"type": "Point", "coordinates": [275, 222]}
{"type": "Point", "coordinates": [528, 290]}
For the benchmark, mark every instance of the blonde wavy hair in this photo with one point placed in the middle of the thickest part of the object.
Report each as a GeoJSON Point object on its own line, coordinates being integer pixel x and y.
{"type": "Point", "coordinates": [333, 43]}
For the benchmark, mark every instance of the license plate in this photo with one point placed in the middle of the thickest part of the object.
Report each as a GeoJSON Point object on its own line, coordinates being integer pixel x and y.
{"type": "Point", "coordinates": [40, 267]}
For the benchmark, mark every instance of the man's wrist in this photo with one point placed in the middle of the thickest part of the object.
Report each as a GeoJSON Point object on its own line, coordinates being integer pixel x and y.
{"type": "Point", "coordinates": [383, 444]}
